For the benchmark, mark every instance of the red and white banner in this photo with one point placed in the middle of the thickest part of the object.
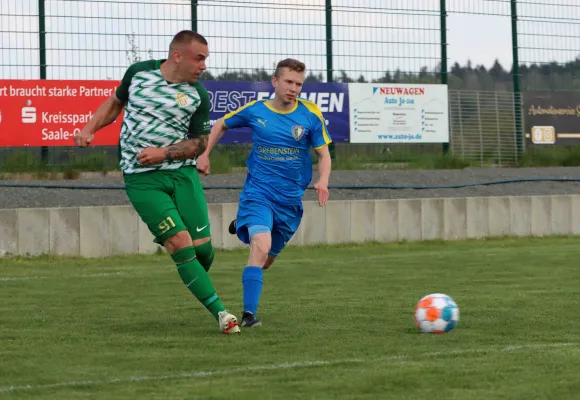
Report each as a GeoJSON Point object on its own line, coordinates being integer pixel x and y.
{"type": "Point", "coordinates": [48, 112]}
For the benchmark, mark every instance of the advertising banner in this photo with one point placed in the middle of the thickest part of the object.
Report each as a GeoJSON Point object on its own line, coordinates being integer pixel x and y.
{"type": "Point", "coordinates": [552, 118]}
{"type": "Point", "coordinates": [331, 98]}
{"type": "Point", "coordinates": [398, 113]}
{"type": "Point", "coordinates": [48, 112]}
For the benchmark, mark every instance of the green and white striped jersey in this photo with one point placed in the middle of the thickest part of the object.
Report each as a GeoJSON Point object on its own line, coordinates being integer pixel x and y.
{"type": "Point", "coordinates": [158, 114]}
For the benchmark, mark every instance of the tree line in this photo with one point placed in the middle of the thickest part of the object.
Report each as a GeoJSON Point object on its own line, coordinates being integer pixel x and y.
{"type": "Point", "coordinates": [536, 76]}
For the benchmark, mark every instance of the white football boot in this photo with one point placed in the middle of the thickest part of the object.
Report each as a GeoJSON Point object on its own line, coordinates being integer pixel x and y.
{"type": "Point", "coordinates": [228, 323]}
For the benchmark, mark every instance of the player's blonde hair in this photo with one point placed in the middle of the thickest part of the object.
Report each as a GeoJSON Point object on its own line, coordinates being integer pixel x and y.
{"type": "Point", "coordinates": [290, 63]}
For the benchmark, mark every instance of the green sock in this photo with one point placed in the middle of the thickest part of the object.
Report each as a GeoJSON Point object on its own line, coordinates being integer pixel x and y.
{"type": "Point", "coordinates": [205, 255]}
{"type": "Point", "coordinates": [197, 280]}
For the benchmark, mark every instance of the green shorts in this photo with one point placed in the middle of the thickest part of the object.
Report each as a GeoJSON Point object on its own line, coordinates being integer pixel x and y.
{"type": "Point", "coordinates": [169, 201]}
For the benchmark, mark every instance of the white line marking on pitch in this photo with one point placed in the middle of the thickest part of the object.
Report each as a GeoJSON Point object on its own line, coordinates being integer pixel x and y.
{"type": "Point", "coordinates": [276, 367]}
{"type": "Point", "coordinates": [28, 278]}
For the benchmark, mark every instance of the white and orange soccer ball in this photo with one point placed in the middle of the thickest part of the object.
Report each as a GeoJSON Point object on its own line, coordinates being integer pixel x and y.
{"type": "Point", "coordinates": [436, 313]}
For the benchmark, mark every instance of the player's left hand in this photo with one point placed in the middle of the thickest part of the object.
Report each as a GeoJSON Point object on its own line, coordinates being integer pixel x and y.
{"type": "Point", "coordinates": [322, 190]}
{"type": "Point", "coordinates": [151, 156]}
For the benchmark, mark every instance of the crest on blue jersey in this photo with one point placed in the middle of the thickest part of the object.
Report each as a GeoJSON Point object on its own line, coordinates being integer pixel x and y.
{"type": "Point", "coordinates": [298, 132]}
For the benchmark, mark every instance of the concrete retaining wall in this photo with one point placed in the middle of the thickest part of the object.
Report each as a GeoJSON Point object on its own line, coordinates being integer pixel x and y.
{"type": "Point", "coordinates": [115, 230]}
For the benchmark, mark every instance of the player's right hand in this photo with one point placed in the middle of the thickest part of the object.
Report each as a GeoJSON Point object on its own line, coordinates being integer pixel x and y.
{"type": "Point", "coordinates": [322, 190]}
{"type": "Point", "coordinates": [203, 164]}
{"type": "Point", "coordinates": [84, 138]}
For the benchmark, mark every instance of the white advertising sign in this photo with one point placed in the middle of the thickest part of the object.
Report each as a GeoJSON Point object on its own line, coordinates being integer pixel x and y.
{"type": "Point", "coordinates": [398, 113]}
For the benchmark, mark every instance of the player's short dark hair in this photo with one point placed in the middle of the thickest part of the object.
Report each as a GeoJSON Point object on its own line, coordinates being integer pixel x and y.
{"type": "Point", "coordinates": [290, 63]}
{"type": "Point", "coordinates": [186, 37]}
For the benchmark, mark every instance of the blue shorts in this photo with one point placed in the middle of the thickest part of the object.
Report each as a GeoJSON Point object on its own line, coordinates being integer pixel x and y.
{"type": "Point", "coordinates": [282, 221]}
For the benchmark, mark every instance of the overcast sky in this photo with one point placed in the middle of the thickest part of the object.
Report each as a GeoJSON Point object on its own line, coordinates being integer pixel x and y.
{"type": "Point", "coordinates": [87, 39]}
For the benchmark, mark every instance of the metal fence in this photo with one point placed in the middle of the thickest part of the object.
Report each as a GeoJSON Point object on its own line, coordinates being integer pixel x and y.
{"type": "Point", "coordinates": [482, 126]}
{"type": "Point", "coordinates": [402, 41]}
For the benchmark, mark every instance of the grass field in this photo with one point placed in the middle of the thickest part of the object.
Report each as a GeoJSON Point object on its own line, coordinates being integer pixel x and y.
{"type": "Point", "coordinates": [337, 325]}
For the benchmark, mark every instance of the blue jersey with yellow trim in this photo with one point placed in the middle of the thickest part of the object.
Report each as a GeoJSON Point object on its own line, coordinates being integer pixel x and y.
{"type": "Point", "coordinates": [282, 142]}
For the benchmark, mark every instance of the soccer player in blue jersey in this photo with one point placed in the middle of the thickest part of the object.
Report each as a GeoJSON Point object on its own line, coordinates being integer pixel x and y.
{"type": "Point", "coordinates": [306, 179]}
{"type": "Point", "coordinates": [270, 208]}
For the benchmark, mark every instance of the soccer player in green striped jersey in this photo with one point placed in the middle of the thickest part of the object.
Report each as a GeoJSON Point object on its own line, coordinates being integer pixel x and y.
{"type": "Point", "coordinates": [165, 128]}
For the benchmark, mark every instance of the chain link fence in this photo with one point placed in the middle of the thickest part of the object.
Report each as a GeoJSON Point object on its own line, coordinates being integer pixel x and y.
{"type": "Point", "coordinates": [400, 41]}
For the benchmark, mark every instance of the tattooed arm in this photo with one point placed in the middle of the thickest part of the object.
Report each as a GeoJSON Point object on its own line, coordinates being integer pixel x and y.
{"type": "Point", "coordinates": [186, 149]}
{"type": "Point", "coordinates": [190, 148]}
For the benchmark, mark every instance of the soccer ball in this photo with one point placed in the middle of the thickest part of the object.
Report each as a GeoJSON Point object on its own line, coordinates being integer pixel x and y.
{"type": "Point", "coordinates": [436, 313]}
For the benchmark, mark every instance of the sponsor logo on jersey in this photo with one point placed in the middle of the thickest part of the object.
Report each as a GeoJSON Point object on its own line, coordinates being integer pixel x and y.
{"type": "Point", "coordinates": [298, 132]}
{"type": "Point", "coordinates": [181, 99]}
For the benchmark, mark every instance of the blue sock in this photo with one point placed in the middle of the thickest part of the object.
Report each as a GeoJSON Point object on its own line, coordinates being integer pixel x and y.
{"type": "Point", "coordinates": [252, 281]}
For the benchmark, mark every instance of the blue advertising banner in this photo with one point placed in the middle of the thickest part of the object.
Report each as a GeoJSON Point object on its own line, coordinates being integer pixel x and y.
{"type": "Point", "coordinates": [331, 98]}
